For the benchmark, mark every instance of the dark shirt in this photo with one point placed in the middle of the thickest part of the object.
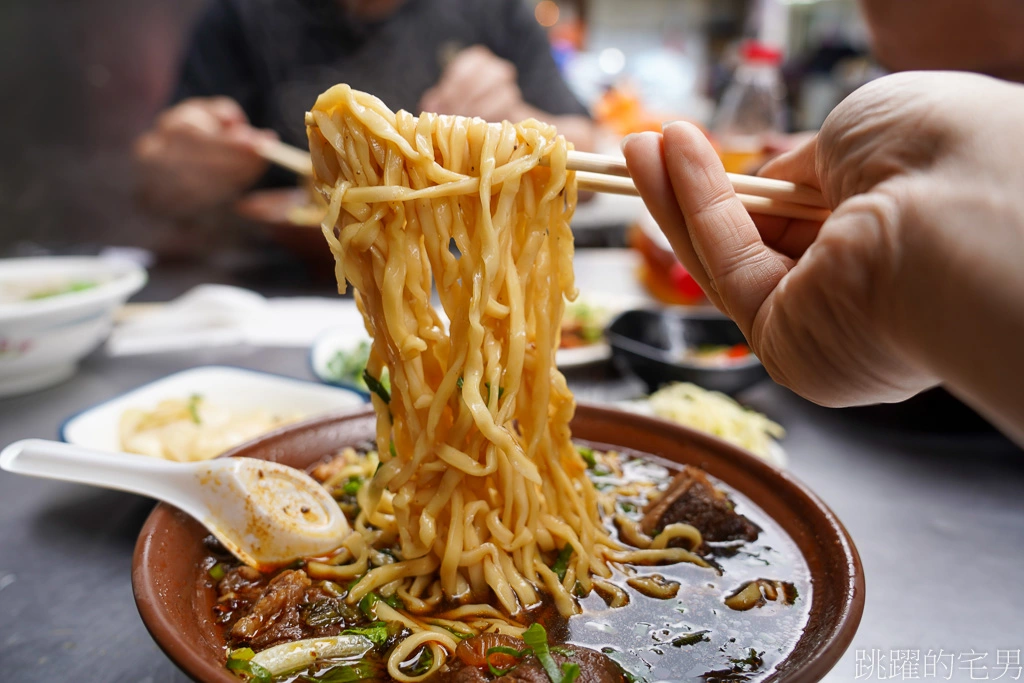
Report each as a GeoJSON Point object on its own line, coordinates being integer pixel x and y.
{"type": "Point", "coordinates": [275, 56]}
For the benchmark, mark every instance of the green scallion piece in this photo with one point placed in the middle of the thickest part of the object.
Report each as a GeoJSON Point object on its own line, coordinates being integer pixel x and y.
{"type": "Point", "coordinates": [193, 407]}
{"type": "Point", "coordinates": [376, 386]}
{"type": "Point", "coordinates": [367, 604]}
{"type": "Point", "coordinates": [587, 454]}
{"type": "Point", "coordinates": [537, 638]}
{"type": "Point", "coordinates": [254, 672]}
{"type": "Point", "coordinates": [561, 565]}
{"type": "Point", "coordinates": [502, 650]}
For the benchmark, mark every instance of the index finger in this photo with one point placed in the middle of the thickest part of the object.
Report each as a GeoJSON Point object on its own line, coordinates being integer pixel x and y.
{"type": "Point", "coordinates": [741, 268]}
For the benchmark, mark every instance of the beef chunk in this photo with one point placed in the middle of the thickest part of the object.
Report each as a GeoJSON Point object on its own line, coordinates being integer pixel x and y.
{"type": "Point", "coordinates": [276, 616]}
{"type": "Point", "coordinates": [692, 499]}
{"type": "Point", "coordinates": [457, 671]}
{"type": "Point", "coordinates": [594, 667]}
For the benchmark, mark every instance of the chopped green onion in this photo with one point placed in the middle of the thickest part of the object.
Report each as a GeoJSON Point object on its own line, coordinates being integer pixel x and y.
{"type": "Point", "coordinates": [375, 385]}
{"type": "Point", "coordinates": [69, 288]}
{"type": "Point", "coordinates": [217, 571]}
{"type": "Point", "coordinates": [394, 451]}
{"type": "Point", "coordinates": [376, 632]}
{"type": "Point", "coordinates": [457, 634]}
{"type": "Point", "coordinates": [501, 392]}
{"type": "Point", "coordinates": [347, 366]}
{"type": "Point", "coordinates": [502, 650]}
{"type": "Point", "coordinates": [690, 639]}
{"type": "Point", "coordinates": [561, 650]}
{"type": "Point", "coordinates": [561, 565]}
{"type": "Point", "coordinates": [254, 671]}
{"type": "Point", "coordinates": [367, 604]}
{"type": "Point", "coordinates": [394, 601]}
{"type": "Point", "coordinates": [537, 638]}
{"type": "Point", "coordinates": [587, 454]}
{"type": "Point", "coordinates": [347, 673]}
{"type": "Point", "coordinates": [245, 653]}
{"type": "Point", "coordinates": [570, 672]}
{"type": "Point", "coordinates": [352, 486]}
{"type": "Point", "coordinates": [193, 407]}
{"type": "Point", "coordinates": [459, 382]}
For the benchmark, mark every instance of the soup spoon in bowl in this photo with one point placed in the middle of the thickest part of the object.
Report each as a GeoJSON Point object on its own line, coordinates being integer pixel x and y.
{"type": "Point", "coordinates": [267, 514]}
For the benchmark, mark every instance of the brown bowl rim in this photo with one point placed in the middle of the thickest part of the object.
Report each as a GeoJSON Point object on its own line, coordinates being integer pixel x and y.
{"type": "Point", "coordinates": [843, 624]}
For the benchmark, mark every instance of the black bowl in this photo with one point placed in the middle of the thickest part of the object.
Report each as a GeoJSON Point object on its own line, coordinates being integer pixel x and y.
{"type": "Point", "coordinates": [651, 343]}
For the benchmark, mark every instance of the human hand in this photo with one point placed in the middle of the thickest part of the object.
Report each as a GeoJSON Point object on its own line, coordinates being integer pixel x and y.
{"type": "Point", "coordinates": [477, 83]}
{"type": "Point", "coordinates": [200, 153]}
{"type": "Point", "coordinates": [919, 169]}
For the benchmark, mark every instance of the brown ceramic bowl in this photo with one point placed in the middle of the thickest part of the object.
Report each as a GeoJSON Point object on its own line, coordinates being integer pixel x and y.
{"type": "Point", "coordinates": [175, 604]}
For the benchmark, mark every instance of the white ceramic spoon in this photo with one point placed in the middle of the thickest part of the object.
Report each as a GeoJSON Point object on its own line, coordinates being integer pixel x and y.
{"type": "Point", "coordinates": [267, 514]}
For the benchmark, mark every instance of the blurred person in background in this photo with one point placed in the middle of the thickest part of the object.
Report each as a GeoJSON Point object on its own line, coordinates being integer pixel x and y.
{"type": "Point", "coordinates": [253, 69]}
{"type": "Point", "coordinates": [984, 36]}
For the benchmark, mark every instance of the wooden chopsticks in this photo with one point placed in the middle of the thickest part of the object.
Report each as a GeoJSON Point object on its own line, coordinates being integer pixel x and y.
{"type": "Point", "coordinates": [294, 159]}
{"type": "Point", "coordinates": [599, 173]}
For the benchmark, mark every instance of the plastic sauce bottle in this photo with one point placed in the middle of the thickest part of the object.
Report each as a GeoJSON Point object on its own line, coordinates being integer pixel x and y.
{"type": "Point", "coordinates": [751, 112]}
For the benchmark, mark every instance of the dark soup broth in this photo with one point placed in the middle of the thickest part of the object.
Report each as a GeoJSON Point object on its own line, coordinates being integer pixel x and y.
{"type": "Point", "coordinates": [733, 613]}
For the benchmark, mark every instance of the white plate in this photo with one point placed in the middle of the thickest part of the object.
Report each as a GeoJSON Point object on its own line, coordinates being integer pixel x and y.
{"type": "Point", "coordinates": [234, 388]}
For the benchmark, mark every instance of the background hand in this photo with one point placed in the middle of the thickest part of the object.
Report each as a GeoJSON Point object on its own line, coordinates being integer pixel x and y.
{"type": "Point", "coordinates": [200, 153]}
{"type": "Point", "coordinates": [477, 83]}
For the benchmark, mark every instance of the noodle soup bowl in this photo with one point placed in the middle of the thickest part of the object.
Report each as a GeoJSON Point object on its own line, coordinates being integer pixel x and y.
{"type": "Point", "coordinates": [175, 597]}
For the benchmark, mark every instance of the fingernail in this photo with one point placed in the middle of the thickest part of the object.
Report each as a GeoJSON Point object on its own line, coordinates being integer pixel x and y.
{"type": "Point", "coordinates": [666, 124]}
{"type": "Point", "coordinates": [626, 140]}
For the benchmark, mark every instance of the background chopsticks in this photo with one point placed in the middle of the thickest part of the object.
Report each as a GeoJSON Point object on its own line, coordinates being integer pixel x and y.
{"type": "Point", "coordinates": [294, 159]}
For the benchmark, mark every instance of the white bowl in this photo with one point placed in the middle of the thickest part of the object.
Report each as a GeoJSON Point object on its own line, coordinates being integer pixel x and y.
{"type": "Point", "coordinates": [236, 389]}
{"type": "Point", "coordinates": [42, 341]}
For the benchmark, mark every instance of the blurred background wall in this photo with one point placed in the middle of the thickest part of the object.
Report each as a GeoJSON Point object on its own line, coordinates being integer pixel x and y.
{"type": "Point", "coordinates": [80, 81]}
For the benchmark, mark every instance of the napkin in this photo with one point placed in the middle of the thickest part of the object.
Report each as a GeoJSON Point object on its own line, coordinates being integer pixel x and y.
{"type": "Point", "coordinates": [221, 315]}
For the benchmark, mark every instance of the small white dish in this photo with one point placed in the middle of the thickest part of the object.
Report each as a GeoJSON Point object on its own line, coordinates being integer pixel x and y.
{"type": "Point", "coordinates": [327, 346]}
{"type": "Point", "coordinates": [233, 388]}
{"type": "Point", "coordinates": [42, 340]}
{"type": "Point", "coordinates": [776, 454]}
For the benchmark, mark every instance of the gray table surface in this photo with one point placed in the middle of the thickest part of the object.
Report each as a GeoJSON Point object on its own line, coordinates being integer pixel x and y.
{"type": "Point", "coordinates": [939, 523]}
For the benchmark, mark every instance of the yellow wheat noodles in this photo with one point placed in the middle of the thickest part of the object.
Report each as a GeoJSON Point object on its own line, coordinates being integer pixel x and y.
{"type": "Point", "coordinates": [479, 481]}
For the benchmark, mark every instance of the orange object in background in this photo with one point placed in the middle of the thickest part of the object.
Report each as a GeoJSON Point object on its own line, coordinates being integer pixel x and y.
{"type": "Point", "coordinates": [662, 274]}
{"type": "Point", "coordinates": [621, 111]}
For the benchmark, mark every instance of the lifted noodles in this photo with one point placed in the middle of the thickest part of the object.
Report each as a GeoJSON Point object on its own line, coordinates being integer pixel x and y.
{"type": "Point", "coordinates": [479, 484]}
